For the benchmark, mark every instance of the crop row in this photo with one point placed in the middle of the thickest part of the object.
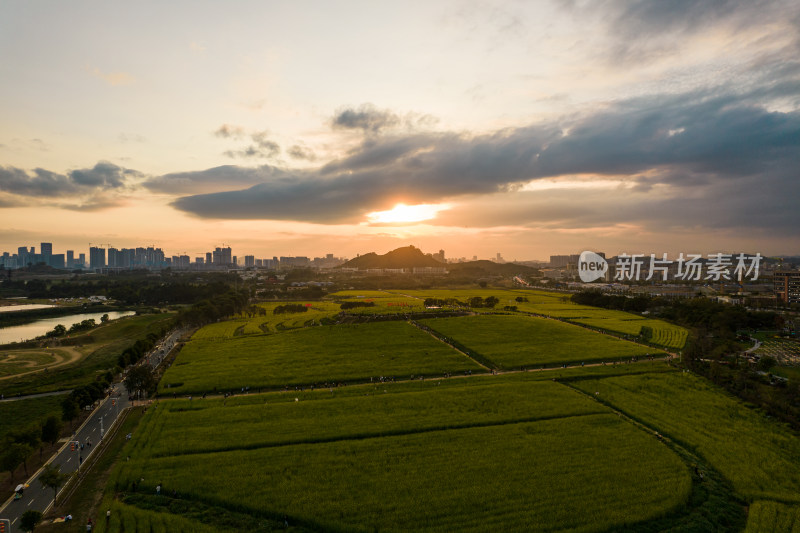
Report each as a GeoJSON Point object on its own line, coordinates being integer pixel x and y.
{"type": "Point", "coordinates": [587, 473]}
{"type": "Point", "coordinates": [768, 517]}
{"type": "Point", "coordinates": [311, 355]}
{"type": "Point", "coordinates": [760, 458]}
{"type": "Point", "coordinates": [663, 333]}
{"type": "Point", "coordinates": [133, 520]}
{"type": "Point", "coordinates": [185, 426]}
{"type": "Point", "coordinates": [524, 342]}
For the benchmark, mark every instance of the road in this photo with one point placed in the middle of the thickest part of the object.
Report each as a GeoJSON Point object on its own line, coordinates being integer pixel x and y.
{"type": "Point", "coordinates": [40, 395]}
{"type": "Point", "coordinates": [93, 429]}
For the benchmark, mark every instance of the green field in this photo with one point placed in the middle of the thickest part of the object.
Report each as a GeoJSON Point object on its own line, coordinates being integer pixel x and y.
{"type": "Point", "coordinates": [411, 460]}
{"type": "Point", "coordinates": [508, 342]}
{"type": "Point", "coordinates": [767, 517]}
{"type": "Point", "coordinates": [760, 457]}
{"type": "Point", "coordinates": [20, 413]}
{"type": "Point", "coordinates": [664, 333]}
{"type": "Point", "coordinates": [311, 355]}
{"type": "Point", "coordinates": [219, 330]}
{"type": "Point", "coordinates": [542, 450]}
{"type": "Point", "coordinates": [181, 426]}
{"type": "Point", "coordinates": [271, 322]}
{"type": "Point", "coordinates": [14, 362]}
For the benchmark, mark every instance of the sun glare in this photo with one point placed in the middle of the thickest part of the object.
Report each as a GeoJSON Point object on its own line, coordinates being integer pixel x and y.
{"type": "Point", "coordinates": [406, 213]}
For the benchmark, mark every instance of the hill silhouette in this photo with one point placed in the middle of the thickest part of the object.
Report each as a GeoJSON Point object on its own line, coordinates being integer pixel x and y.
{"type": "Point", "coordinates": [405, 257]}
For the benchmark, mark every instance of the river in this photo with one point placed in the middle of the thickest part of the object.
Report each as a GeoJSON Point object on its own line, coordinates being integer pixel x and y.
{"type": "Point", "coordinates": [40, 327]}
{"type": "Point", "coordinates": [23, 307]}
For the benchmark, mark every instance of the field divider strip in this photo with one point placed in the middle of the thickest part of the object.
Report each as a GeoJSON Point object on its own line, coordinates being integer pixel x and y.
{"type": "Point", "coordinates": [481, 360]}
{"type": "Point", "coordinates": [380, 435]}
{"type": "Point", "coordinates": [683, 449]}
{"type": "Point", "coordinates": [622, 336]}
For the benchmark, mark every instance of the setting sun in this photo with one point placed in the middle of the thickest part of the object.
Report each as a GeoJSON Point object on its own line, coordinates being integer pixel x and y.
{"type": "Point", "coordinates": [406, 213]}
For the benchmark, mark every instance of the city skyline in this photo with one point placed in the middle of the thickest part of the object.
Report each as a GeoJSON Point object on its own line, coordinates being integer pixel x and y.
{"type": "Point", "coordinates": [533, 128]}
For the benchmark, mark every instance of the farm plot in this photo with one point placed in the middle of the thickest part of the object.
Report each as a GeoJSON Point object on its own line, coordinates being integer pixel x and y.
{"type": "Point", "coordinates": [130, 518]}
{"type": "Point", "coordinates": [539, 476]}
{"type": "Point", "coordinates": [181, 426]}
{"type": "Point", "coordinates": [219, 330]}
{"type": "Point", "coordinates": [377, 303]}
{"type": "Point", "coordinates": [271, 322]}
{"type": "Point", "coordinates": [508, 342]}
{"type": "Point", "coordinates": [767, 517]}
{"type": "Point", "coordinates": [311, 355]}
{"type": "Point", "coordinates": [760, 457]}
{"type": "Point", "coordinates": [663, 333]}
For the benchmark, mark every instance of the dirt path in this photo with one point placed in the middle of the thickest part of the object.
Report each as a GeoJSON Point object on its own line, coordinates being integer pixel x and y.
{"type": "Point", "coordinates": [64, 355]}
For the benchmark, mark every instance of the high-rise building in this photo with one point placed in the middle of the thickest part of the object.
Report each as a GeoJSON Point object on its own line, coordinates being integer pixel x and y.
{"type": "Point", "coordinates": [786, 284]}
{"type": "Point", "coordinates": [97, 257]}
{"type": "Point", "coordinates": [47, 252]}
{"type": "Point", "coordinates": [114, 258]}
{"type": "Point", "coordinates": [70, 259]}
{"type": "Point", "coordinates": [222, 256]}
{"type": "Point", "coordinates": [249, 261]}
{"type": "Point", "coordinates": [81, 260]}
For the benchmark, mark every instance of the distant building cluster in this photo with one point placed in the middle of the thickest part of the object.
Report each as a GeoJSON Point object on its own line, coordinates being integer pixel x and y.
{"type": "Point", "coordinates": [106, 258]}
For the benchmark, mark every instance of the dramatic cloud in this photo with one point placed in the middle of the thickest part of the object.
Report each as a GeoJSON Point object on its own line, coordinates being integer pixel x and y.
{"type": "Point", "coordinates": [43, 183]}
{"type": "Point", "coordinates": [93, 188]}
{"type": "Point", "coordinates": [697, 143]}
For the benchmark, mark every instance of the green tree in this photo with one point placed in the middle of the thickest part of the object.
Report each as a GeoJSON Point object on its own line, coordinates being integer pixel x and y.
{"type": "Point", "coordinates": [52, 478]}
{"type": "Point", "coordinates": [140, 379]}
{"type": "Point", "coordinates": [69, 410]}
{"type": "Point", "coordinates": [14, 455]}
{"type": "Point", "coordinates": [104, 318]}
{"type": "Point", "coordinates": [30, 519]}
{"type": "Point", "coordinates": [59, 331]}
{"type": "Point", "coordinates": [766, 362]}
{"type": "Point", "coordinates": [51, 429]}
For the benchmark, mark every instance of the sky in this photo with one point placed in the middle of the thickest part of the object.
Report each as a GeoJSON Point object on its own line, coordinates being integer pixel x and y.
{"type": "Point", "coordinates": [526, 128]}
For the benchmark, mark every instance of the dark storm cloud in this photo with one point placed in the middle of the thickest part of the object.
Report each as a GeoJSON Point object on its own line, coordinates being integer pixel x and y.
{"type": "Point", "coordinates": [692, 141]}
{"type": "Point", "coordinates": [44, 183]}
